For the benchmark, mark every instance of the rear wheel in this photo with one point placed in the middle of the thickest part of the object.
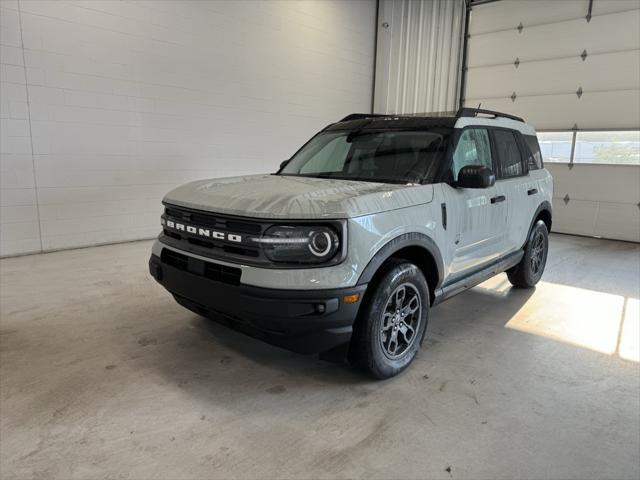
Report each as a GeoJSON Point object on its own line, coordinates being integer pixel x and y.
{"type": "Point", "coordinates": [529, 271]}
{"type": "Point", "coordinates": [392, 323]}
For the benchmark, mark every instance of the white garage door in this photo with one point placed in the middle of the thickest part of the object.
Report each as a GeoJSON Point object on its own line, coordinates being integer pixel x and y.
{"type": "Point", "coordinates": [572, 69]}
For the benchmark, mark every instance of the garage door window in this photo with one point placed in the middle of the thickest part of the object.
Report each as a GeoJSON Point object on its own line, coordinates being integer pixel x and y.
{"type": "Point", "coordinates": [608, 147]}
{"type": "Point", "coordinates": [556, 146]}
{"type": "Point", "coordinates": [620, 147]}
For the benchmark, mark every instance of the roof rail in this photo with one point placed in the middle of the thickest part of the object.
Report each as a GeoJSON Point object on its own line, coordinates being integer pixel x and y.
{"type": "Point", "coordinates": [360, 116]}
{"type": "Point", "coordinates": [473, 112]}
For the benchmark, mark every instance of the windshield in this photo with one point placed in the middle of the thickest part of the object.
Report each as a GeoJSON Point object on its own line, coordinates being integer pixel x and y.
{"type": "Point", "coordinates": [387, 156]}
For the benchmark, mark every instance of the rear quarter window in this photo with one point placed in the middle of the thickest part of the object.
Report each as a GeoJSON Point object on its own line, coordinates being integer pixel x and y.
{"type": "Point", "coordinates": [534, 156]}
{"type": "Point", "coordinates": [509, 155]}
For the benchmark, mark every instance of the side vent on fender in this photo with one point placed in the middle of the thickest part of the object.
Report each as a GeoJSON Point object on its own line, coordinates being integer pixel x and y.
{"type": "Point", "coordinates": [443, 207]}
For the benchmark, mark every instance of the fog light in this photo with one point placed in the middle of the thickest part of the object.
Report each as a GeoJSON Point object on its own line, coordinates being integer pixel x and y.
{"type": "Point", "coordinates": [320, 308]}
{"type": "Point", "coordinates": [353, 298]}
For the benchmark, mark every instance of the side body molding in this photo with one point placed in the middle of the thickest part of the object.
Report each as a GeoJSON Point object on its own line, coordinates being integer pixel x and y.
{"type": "Point", "coordinates": [413, 239]}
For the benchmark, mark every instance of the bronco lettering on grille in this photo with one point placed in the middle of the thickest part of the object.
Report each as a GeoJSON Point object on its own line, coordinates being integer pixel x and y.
{"type": "Point", "coordinates": [201, 231]}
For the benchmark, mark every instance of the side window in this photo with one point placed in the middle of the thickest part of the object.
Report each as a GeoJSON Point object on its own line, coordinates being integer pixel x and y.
{"type": "Point", "coordinates": [511, 164]}
{"type": "Point", "coordinates": [535, 157]}
{"type": "Point", "coordinates": [473, 149]}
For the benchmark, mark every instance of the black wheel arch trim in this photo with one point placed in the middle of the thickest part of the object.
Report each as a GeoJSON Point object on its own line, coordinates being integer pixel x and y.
{"type": "Point", "coordinates": [413, 239]}
{"type": "Point", "coordinates": [542, 207]}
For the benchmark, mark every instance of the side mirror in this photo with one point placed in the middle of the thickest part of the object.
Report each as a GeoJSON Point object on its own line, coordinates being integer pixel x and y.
{"type": "Point", "coordinates": [284, 164]}
{"type": "Point", "coordinates": [475, 176]}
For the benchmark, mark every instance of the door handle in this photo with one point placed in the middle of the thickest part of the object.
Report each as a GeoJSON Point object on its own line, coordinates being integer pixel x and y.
{"type": "Point", "coordinates": [498, 199]}
{"type": "Point", "coordinates": [532, 191]}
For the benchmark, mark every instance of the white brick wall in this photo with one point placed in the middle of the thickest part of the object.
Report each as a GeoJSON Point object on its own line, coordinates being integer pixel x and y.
{"type": "Point", "coordinates": [19, 227]}
{"type": "Point", "coordinates": [128, 99]}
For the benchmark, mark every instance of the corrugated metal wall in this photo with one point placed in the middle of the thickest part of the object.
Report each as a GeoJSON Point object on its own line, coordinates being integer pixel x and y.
{"type": "Point", "coordinates": [419, 54]}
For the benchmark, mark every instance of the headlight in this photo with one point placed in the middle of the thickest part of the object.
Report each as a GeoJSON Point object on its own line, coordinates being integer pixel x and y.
{"type": "Point", "coordinates": [299, 244]}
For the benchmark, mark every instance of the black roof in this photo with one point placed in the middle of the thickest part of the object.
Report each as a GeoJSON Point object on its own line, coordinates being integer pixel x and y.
{"type": "Point", "coordinates": [374, 121]}
{"type": "Point", "coordinates": [383, 122]}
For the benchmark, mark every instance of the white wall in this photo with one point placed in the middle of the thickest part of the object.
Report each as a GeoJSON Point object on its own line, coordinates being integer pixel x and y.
{"type": "Point", "coordinates": [106, 105]}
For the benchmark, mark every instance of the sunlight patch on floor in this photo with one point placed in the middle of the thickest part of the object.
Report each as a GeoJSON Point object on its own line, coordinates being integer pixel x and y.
{"type": "Point", "coordinates": [498, 286]}
{"type": "Point", "coordinates": [598, 321]}
{"type": "Point", "coordinates": [629, 346]}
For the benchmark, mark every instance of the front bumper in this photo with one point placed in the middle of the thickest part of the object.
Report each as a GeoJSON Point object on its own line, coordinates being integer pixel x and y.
{"type": "Point", "coordinates": [304, 321]}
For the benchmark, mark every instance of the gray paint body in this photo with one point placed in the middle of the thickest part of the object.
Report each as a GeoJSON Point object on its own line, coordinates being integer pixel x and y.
{"type": "Point", "coordinates": [477, 232]}
{"type": "Point", "coordinates": [289, 197]}
{"type": "Point", "coordinates": [397, 209]}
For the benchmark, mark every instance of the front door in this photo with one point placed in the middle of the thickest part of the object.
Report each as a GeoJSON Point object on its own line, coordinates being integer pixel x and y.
{"type": "Point", "coordinates": [476, 217]}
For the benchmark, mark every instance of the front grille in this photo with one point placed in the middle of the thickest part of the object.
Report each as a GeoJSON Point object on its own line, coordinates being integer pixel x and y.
{"type": "Point", "coordinates": [242, 249]}
{"type": "Point", "coordinates": [229, 238]}
{"type": "Point", "coordinates": [212, 271]}
{"type": "Point", "coordinates": [213, 220]}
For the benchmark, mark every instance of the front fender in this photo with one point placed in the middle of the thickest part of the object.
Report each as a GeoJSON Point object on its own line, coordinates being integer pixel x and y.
{"type": "Point", "coordinates": [375, 238]}
{"type": "Point", "coordinates": [403, 241]}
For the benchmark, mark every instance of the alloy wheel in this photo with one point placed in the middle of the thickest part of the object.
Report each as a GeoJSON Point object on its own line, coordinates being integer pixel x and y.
{"type": "Point", "coordinates": [400, 320]}
{"type": "Point", "coordinates": [537, 253]}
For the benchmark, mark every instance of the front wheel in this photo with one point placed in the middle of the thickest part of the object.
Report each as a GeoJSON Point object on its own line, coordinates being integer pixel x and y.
{"type": "Point", "coordinates": [392, 323]}
{"type": "Point", "coordinates": [529, 271]}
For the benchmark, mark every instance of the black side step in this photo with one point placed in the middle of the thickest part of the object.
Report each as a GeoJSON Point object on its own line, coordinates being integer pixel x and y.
{"type": "Point", "coordinates": [459, 285]}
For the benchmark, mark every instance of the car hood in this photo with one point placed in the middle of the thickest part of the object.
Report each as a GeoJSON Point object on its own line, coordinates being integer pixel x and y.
{"type": "Point", "coordinates": [277, 196]}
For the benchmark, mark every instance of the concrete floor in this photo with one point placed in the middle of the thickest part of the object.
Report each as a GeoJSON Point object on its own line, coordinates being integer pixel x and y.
{"type": "Point", "coordinates": [102, 375]}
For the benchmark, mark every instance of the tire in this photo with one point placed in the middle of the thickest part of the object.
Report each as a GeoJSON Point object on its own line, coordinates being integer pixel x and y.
{"type": "Point", "coordinates": [530, 269]}
{"type": "Point", "coordinates": [386, 338]}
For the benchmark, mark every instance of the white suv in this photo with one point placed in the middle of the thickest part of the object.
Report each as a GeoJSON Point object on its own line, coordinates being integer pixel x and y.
{"type": "Point", "coordinates": [373, 221]}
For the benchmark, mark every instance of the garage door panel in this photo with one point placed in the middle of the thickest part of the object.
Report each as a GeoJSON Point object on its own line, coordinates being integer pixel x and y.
{"type": "Point", "coordinates": [510, 14]}
{"type": "Point", "coordinates": [614, 110]}
{"type": "Point", "coordinates": [618, 220]}
{"type": "Point", "coordinates": [610, 71]}
{"type": "Point", "coordinates": [555, 89]}
{"type": "Point", "coordinates": [577, 217]}
{"type": "Point", "coordinates": [612, 6]}
{"type": "Point", "coordinates": [603, 200]}
{"type": "Point", "coordinates": [604, 34]}
{"type": "Point", "coordinates": [604, 183]}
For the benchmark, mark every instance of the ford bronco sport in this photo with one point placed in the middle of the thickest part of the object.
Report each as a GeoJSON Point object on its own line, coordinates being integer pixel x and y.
{"type": "Point", "coordinates": [372, 222]}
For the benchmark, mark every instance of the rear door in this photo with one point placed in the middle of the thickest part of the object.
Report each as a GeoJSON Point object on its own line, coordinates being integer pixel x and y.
{"type": "Point", "coordinates": [476, 226]}
{"type": "Point", "coordinates": [515, 187]}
